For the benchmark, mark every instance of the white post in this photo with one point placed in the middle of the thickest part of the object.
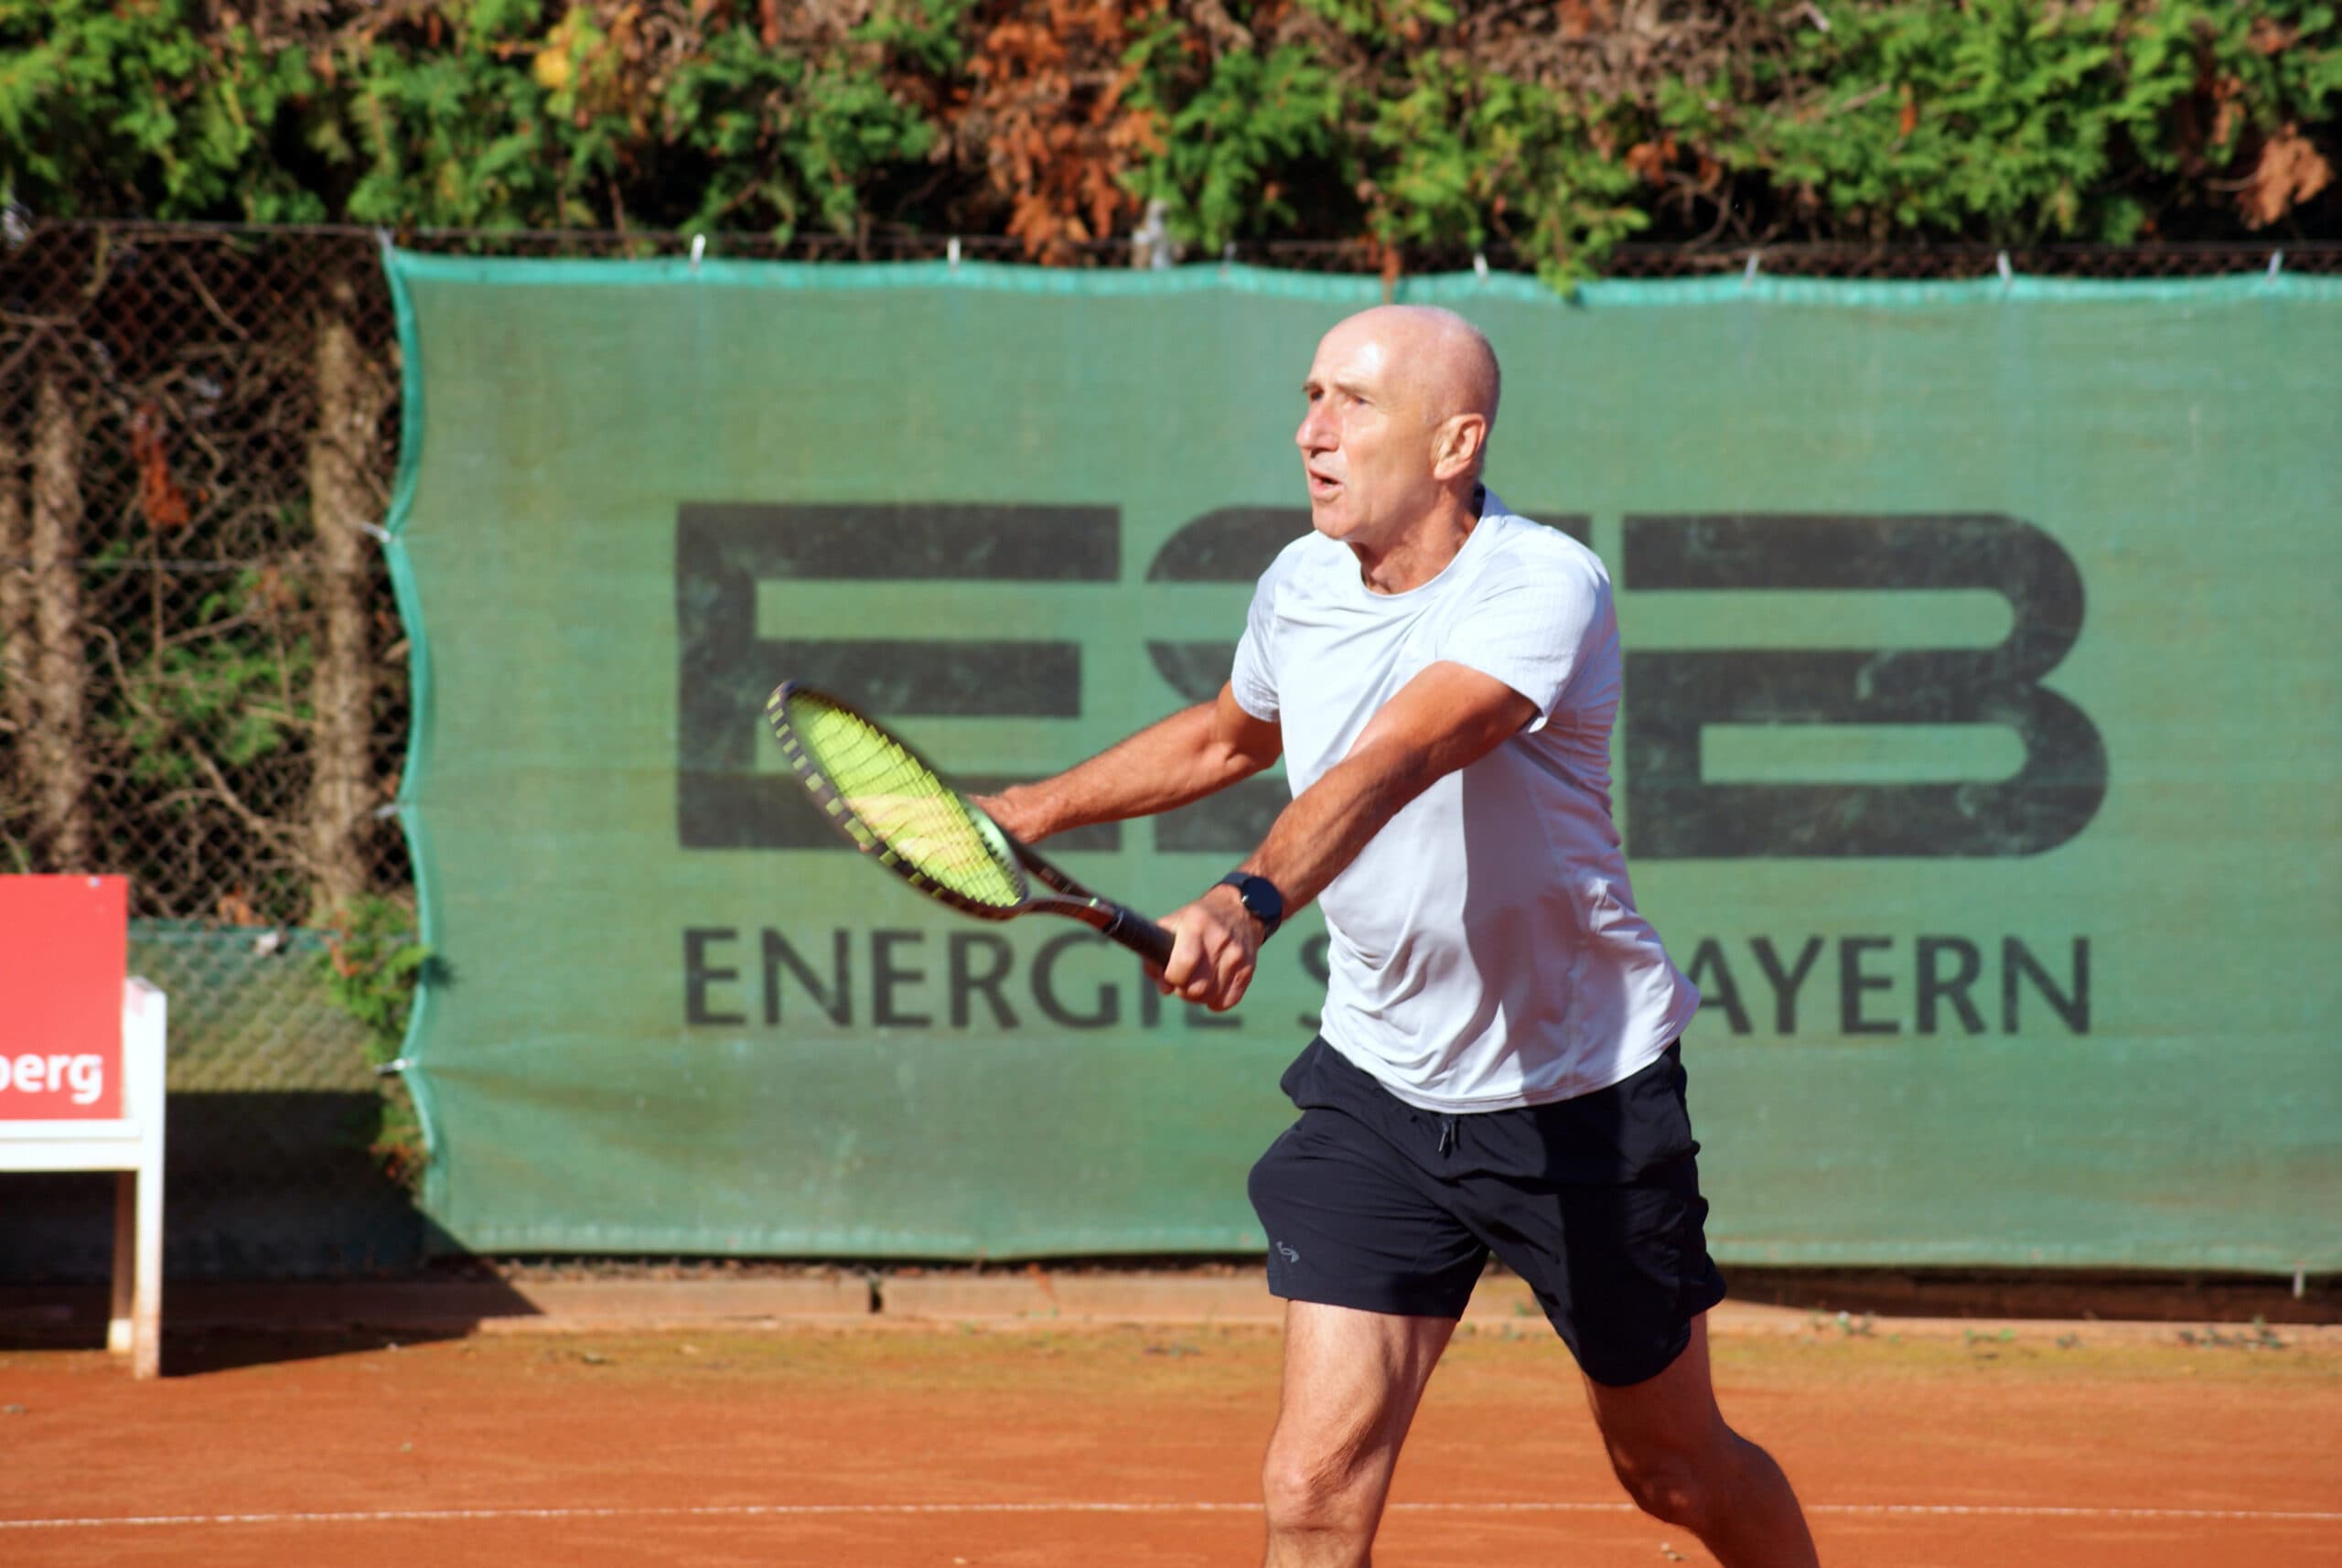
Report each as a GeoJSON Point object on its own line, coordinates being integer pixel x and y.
{"type": "Point", "coordinates": [138, 1196]}
{"type": "Point", "coordinates": [124, 1300]}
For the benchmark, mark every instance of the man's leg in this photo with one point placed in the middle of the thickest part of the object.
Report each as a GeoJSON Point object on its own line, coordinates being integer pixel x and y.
{"type": "Point", "coordinates": [1682, 1464]}
{"type": "Point", "coordinates": [1352, 1380]}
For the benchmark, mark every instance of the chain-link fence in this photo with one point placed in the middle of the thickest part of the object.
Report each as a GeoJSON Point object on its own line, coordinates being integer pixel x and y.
{"type": "Point", "coordinates": [203, 684]}
{"type": "Point", "coordinates": [203, 676]}
{"type": "Point", "coordinates": [203, 687]}
{"type": "Point", "coordinates": [270, 1133]}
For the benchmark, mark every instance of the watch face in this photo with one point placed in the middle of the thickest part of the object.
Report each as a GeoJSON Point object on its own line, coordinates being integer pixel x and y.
{"type": "Point", "coordinates": [1260, 897]}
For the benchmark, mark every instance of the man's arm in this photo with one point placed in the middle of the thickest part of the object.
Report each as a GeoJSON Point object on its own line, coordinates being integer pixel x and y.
{"type": "Point", "coordinates": [1192, 754]}
{"type": "Point", "coordinates": [1447, 717]}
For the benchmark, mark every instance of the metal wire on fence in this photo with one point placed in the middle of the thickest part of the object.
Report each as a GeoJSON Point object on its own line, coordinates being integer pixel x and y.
{"type": "Point", "coordinates": [202, 682]}
{"type": "Point", "coordinates": [274, 1124]}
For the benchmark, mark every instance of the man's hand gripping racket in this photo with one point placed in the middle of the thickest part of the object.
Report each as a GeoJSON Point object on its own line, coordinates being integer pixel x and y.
{"type": "Point", "coordinates": [893, 806]}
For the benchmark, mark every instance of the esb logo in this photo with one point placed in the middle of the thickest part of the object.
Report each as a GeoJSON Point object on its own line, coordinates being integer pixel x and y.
{"type": "Point", "coordinates": [1673, 810]}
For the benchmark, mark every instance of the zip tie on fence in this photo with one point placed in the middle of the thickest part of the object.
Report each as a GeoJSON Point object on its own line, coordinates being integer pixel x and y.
{"type": "Point", "coordinates": [2276, 264]}
{"type": "Point", "coordinates": [698, 248]}
{"type": "Point", "coordinates": [1227, 257]}
{"type": "Point", "coordinates": [1480, 267]}
{"type": "Point", "coordinates": [376, 529]}
{"type": "Point", "coordinates": [952, 252]}
{"type": "Point", "coordinates": [1749, 273]}
{"type": "Point", "coordinates": [2008, 274]}
{"type": "Point", "coordinates": [393, 1067]}
{"type": "Point", "coordinates": [383, 812]}
{"type": "Point", "coordinates": [383, 238]}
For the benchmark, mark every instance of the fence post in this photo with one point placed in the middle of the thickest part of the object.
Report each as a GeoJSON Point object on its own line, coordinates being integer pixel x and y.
{"type": "Point", "coordinates": [349, 409]}
{"type": "Point", "coordinates": [61, 682]}
{"type": "Point", "coordinates": [16, 637]}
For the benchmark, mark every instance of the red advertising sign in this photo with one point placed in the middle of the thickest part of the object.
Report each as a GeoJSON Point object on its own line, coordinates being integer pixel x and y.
{"type": "Point", "coordinates": [63, 945]}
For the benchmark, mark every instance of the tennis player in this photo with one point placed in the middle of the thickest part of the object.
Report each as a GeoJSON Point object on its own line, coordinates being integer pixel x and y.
{"type": "Point", "coordinates": [1498, 1068]}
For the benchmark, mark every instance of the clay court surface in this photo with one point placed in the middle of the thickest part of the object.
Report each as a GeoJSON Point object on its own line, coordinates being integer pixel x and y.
{"type": "Point", "coordinates": [890, 1448]}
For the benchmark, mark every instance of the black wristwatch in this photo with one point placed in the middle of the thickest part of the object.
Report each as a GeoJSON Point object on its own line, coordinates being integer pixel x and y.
{"type": "Point", "coordinates": [1260, 899]}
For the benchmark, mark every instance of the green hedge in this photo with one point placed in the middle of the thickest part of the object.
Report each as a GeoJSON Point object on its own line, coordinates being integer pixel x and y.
{"type": "Point", "coordinates": [1411, 125]}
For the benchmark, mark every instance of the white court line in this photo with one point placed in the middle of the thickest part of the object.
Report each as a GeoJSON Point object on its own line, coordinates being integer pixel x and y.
{"type": "Point", "coordinates": [804, 1510]}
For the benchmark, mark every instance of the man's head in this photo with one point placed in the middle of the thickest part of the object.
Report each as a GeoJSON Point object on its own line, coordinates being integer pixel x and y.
{"type": "Point", "coordinates": [1399, 404]}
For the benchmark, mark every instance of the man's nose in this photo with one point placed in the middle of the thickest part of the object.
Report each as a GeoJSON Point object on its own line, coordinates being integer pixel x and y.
{"type": "Point", "coordinates": [1315, 434]}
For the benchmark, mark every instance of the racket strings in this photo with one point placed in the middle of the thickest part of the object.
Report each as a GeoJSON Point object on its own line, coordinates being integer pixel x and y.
{"type": "Point", "coordinates": [905, 806]}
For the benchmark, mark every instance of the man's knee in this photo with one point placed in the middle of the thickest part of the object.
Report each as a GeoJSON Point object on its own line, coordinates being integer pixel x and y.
{"type": "Point", "coordinates": [1671, 1484]}
{"type": "Point", "coordinates": [1314, 1494]}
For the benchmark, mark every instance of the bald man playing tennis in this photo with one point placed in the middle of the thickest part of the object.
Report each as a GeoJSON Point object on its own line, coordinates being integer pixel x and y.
{"type": "Point", "coordinates": [1496, 1067]}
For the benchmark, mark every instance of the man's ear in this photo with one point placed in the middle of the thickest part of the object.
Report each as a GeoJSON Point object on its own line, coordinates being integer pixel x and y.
{"type": "Point", "coordinates": [1456, 452]}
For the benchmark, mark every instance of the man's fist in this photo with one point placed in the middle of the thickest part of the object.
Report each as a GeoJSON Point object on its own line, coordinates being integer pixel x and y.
{"type": "Point", "coordinates": [1215, 942]}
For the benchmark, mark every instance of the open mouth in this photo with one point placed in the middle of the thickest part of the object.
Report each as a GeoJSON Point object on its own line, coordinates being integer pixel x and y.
{"type": "Point", "coordinates": [1321, 487]}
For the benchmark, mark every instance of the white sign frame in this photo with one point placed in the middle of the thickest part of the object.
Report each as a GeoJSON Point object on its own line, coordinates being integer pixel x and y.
{"type": "Point", "coordinates": [130, 1147]}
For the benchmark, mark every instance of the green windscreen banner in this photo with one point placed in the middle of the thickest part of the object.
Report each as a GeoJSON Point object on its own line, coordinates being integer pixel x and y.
{"type": "Point", "coordinates": [1978, 757]}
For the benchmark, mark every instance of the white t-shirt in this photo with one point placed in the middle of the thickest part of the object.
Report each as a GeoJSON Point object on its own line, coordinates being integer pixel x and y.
{"type": "Point", "coordinates": [1485, 952]}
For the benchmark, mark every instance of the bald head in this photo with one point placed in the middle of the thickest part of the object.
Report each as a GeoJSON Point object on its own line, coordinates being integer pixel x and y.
{"type": "Point", "coordinates": [1443, 360]}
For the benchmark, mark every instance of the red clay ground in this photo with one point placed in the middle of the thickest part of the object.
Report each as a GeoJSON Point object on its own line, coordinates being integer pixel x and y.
{"type": "Point", "coordinates": [1017, 1449]}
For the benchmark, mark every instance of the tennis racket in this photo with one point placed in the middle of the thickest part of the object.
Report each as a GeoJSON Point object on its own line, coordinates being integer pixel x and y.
{"type": "Point", "coordinates": [890, 803]}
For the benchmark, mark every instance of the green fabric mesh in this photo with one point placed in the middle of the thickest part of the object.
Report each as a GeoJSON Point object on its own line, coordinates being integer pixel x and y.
{"type": "Point", "coordinates": [1016, 513]}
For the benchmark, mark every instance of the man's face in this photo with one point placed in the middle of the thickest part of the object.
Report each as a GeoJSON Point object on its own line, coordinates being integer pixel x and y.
{"type": "Point", "coordinates": [1364, 443]}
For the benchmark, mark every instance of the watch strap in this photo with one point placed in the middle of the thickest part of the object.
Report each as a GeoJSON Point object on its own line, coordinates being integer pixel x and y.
{"type": "Point", "coordinates": [1260, 899]}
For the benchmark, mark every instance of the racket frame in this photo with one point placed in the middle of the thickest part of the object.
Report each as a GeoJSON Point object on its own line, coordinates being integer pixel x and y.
{"type": "Point", "coordinates": [1067, 897]}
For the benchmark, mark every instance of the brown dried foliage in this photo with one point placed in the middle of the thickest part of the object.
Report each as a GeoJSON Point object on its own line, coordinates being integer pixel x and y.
{"type": "Point", "coordinates": [2290, 172]}
{"type": "Point", "coordinates": [1045, 118]}
{"type": "Point", "coordinates": [160, 496]}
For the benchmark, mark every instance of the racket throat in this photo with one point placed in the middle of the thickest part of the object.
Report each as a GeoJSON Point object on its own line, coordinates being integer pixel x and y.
{"type": "Point", "coordinates": [1106, 917]}
{"type": "Point", "coordinates": [1115, 923]}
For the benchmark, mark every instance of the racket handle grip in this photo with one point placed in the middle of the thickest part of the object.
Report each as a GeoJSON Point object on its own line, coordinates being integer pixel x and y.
{"type": "Point", "coordinates": [1141, 935]}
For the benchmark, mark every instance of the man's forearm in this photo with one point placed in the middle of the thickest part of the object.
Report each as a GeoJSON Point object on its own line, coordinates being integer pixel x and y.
{"type": "Point", "coordinates": [1167, 764]}
{"type": "Point", "coordinates": [1330, 822]}
{"type": "Point", "coordinates": [1446, 719]}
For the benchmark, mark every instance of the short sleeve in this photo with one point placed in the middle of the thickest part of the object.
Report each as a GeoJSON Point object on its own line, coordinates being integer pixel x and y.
{"type": "Point", "coordinates": [1533, 625]}
{"type": "Point", "coordinates": [1254, 679]}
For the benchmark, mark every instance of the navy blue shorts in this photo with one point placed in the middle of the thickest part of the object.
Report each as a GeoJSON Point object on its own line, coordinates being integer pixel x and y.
{"type": "Point", "coordinates": [1369, 1203]}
